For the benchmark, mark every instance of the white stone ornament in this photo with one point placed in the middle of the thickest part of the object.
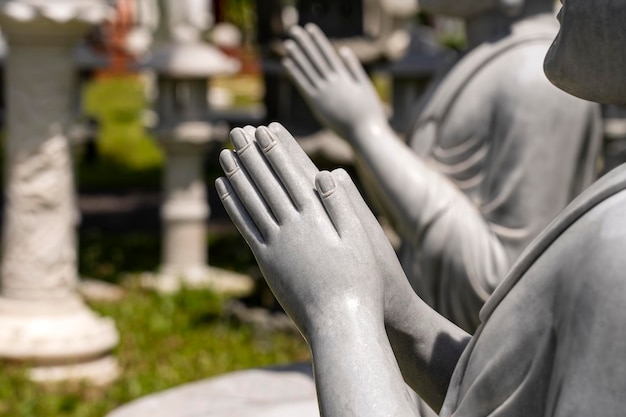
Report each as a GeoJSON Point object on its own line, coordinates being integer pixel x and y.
{"type": "Point", "coordinates": [42, 319]}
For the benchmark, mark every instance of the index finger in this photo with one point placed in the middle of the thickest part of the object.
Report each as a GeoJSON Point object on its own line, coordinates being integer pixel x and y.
{"type": "Point", "coordinates": [301, 159]}
{"type": "Point", "coordinates": [299, 185]}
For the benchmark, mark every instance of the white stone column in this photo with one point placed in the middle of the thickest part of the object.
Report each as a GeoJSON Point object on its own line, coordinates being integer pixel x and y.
{"type": "Point", "coordinates": [185, 209]}
{"type": "Point", "coordinates": [42, 319]}
{"type": "Point", "coordinates": [185, 212]}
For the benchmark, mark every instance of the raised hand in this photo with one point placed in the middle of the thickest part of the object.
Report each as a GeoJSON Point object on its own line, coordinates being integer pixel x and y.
{"type": "Point", "coordinates": [307, 238]}
{"type": "Point", "coordinates": [334, 84]}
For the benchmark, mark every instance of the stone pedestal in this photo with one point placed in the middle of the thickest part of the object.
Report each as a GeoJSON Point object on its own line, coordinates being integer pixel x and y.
{"type": "Point", "coordinates": [42, 319]}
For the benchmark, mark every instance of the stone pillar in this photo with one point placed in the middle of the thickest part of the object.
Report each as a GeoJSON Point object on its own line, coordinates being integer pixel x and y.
{"type": "Point", "coordinates": [42, 319]}
{"type": "Point", "coordinates": [185, 210]}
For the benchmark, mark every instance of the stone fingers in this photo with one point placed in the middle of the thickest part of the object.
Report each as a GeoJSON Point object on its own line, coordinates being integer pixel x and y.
{"type": "Point", "coordinates": [238, 213]}
{"type": "Point", "coordinates": [298, 77]}
{"type": "Point", "coordinates": [322, 43]}
{"type": "Point", "coordinates": [311, 50]}
{"type": "Point", "coordinates": [337, 204]}
{"type": "Point", "coordinates": [295, 180]}
{"type": "Point", "coordinates": [362, 210]}
{"type": "Point", "coordinates": [300, 158]}
{"type": "Point", "coordinates": [261, 173]}
{"type": "Point", "coordinates": [298, 64]}
{"type": "Point", "coordinates": [353, 64]}
{"type": "Point", "coordinates": [249, 198]}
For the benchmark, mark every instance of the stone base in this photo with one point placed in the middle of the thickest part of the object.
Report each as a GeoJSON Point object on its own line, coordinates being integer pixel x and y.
{"type": "Point", "coordinates": [219, 280]}
{"type": "Point", "coordinates": [100, 371]}
{"type": "Point", "coordinates": [282, 391]}
{"type": "Point", "coordinates": [97, 290]}
{"type": "Point", "coordinates": [62, 339]}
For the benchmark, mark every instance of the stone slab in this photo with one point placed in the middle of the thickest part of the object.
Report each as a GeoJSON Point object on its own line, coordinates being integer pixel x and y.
{"type": "Point", "coordinates": [221, 281]}
{"type": "Point", "coordinates": [282, 391]}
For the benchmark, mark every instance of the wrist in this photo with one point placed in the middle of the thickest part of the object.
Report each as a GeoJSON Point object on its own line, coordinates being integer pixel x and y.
{"type": "Point", "coordinates": [344, 328]}
{"type": "Point", "coordinates": [369, 131]}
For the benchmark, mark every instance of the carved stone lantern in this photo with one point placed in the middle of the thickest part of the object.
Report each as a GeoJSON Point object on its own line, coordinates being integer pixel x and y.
{"type": "Point", "coordinates": [42, 318]}
{"type": "Point", "coordinates": [185, 129]}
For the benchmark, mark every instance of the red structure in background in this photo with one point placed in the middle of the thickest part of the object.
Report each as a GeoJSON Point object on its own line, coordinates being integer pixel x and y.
{"type": "Point", "coordinates": [110, 39]}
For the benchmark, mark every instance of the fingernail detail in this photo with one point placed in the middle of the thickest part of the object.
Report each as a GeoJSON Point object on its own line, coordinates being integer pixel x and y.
{"type": "Point", "coordinates": [289, 44]}
{"type": "Point", "coordinates": [265, 139]}
{"type": "Point", "coordinates": [229, 163]}
{"type": "Point", "coordinates": [239, 140]}
{"type": "Point", "coordinates": [222, 191]}
{"type": "Point", "coordinates": [325, 184]}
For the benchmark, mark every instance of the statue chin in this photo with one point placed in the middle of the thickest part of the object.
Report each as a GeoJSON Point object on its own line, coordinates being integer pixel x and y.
{"type": "Point", "coordinates": [582, 75]}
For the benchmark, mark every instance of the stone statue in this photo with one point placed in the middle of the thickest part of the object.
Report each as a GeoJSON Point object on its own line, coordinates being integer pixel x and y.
{"type": "Point", "coordinates": [488, 163]}
{"type": "Point", "coordinates": [552, 339]}
{"type": "Point", "coordinates": [173, 20]}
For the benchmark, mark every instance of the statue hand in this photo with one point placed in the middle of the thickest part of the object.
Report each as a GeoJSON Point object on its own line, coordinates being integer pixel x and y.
{"type": "Point", "coordinates": [335, 86]}
{"type": "Point", "coordinates": [309, 242]}
{"type": "Point", "coordinates": [394, 279]}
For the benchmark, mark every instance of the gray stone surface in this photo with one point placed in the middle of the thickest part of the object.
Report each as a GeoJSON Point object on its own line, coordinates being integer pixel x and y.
{"type": "Point", "coordinates": [486, 166]}
{"type": "Point", "coordinates": [551, 340]}
{"type": "Point", "coordinates": [282, 391]}
{"type": "Point", "coordinates": [335, 273]}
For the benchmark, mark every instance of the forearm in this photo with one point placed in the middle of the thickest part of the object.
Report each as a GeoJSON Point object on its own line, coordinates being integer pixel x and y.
{"type": "Point", "coordinates": [428, 210]}
{"type": "Point", "coordinates": [426, 345]}
{"type": "Point", "coordinates": [416, 195]}
{"type": "Point", "coordinates": [356, 373]}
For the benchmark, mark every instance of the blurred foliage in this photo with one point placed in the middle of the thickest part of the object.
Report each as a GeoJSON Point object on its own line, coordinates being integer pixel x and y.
{"type": "Point", "coordinates": [104, 256]}
{"type": "Point", "coordinates": [241, 13]}
{"type": "Point", "coordinates": [119, 104]}
{"type": "Point", "coordinates": [166, 340]}
{"type": "Point", "coordinates": [455, 41]}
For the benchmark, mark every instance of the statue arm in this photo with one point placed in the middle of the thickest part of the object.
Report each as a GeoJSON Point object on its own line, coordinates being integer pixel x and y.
{"type": "Point", "coordinates": [422, 203]}
{"type": "Point", "coordinates": [426, 350]}
{"type": "Point", "coordinates": [342, 97]}
{"type": "Point", "coordinates": [329, 264]}
{"type": "Point", "coordinates": [458, 250]}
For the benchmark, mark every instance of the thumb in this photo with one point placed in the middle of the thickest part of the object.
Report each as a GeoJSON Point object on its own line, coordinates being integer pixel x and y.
{"type": "Point", "coordinates": [336, 203]}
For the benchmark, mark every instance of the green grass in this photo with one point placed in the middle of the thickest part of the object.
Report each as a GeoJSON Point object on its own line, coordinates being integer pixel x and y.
{"type": "Point", "coordinates": [166, 340]}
